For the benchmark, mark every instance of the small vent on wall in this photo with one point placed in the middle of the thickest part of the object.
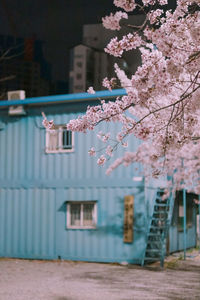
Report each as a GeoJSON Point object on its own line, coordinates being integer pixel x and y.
{"type": "Point", "coordinates": [16, 110]}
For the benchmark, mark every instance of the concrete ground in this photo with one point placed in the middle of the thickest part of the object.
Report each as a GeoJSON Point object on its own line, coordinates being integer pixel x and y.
{"type": "Point", "coordinates": [61, 280]}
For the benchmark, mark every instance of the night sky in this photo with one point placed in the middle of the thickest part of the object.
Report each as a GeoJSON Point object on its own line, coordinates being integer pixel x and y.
{"type": "Point", "coordinates": [56, 22]}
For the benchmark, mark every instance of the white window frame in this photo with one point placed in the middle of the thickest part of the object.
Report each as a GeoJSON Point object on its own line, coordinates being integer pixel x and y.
{"type": "Point", "coordinates": [94, 215]}
{"type": "Point", "coordinates": [60, 149]}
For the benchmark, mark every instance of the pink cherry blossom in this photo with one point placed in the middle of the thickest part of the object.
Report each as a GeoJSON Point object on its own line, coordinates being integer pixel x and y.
{"type": "Point", "coordinates": [101, 160]}
{"type": "Point", "coordinates": [104, 137]}
{"type": "Point", "coordinates": [119, 137]}
{"type": "Point", "coordinates": [109, 151]}
{"type": "Point", "coordinates": [128, 42]}
{"type": "Point", "coordinates": [47, 124]}
{"type": "Point", "coordinates": [92, 152]}
{"type": "Point", "coordinates": [112, 21]}
{"type": "Point", "coordinates": [109, 84]}
{"type": "Point", "coordinates": [155, 15]}
{"type": "Point", "coordinates": [161, 107]}
{"type": "Point", "coordinates": [91, 90]}
{"type": "Point", "coordinates": [127, 5]}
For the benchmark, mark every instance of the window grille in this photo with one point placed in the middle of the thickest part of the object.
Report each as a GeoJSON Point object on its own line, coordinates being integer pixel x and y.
{"type": "Point", "coordinates": [81, 215]}
{"type": "Point", "coordinates": [59, 139]}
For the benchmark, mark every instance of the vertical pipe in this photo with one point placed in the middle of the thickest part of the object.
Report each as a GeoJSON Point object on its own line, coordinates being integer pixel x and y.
{"type": "Point", "coordinates": [184, 223]}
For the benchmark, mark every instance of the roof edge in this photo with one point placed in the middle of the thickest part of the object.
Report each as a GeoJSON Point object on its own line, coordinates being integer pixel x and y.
{"type": "Point", "coordinates": [66, 98]}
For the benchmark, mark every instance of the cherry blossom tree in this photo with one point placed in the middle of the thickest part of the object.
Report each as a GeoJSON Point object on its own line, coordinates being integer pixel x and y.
{"type": "Point", "coordinates": [162, 105]}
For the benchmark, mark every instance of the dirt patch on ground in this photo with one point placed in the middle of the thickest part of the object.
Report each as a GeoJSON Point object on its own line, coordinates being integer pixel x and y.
{"type": "Point", "coordinates": [55, 280]}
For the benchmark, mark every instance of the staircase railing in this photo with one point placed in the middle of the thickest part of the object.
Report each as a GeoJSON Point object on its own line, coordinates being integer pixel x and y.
{"type": "Point", "coordinates": [158, 229]}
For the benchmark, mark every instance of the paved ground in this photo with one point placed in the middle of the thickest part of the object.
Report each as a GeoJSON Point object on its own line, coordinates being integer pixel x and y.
{"type": "Point", "coordinates": [50, 280]}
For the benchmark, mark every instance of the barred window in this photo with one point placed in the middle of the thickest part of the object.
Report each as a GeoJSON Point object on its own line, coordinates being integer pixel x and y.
{"type": "Point", "coordinates": [59, 139]}
{"type": "Point", "coordinates": [81, 215]}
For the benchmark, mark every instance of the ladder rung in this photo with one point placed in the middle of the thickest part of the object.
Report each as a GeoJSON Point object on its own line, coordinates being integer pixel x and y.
{"type": "Point", "coordinates": [161, 205]}
{"type": "Point", "coordinates": [154, 250]}
{"type": "Point", "coordinates": [154, 234]}
{"type": "Point", "coordinates": [159, 219]}
{"type": "Point", "coordinates": [152, 258]}
{"type": "Point", "coordinates": [154, 243]}
{"type": "Point", "coordinates": [160, 200]}
{"type": "Point", "coordinates": [157, 227]}
{"type": "Point", "coordinates": [149, 242]}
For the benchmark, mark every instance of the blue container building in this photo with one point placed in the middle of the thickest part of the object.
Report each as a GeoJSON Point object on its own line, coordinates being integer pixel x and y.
{"type": "Point", "coordinates": [55, 202]}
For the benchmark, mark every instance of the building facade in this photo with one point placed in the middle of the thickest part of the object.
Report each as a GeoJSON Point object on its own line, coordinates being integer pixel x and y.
{"type": "Point", "coordinates": [56, 203]}
{"type": "Point", "coordinates": [96, 36]}
{"type": "Point", "coordinates": [89, 66]}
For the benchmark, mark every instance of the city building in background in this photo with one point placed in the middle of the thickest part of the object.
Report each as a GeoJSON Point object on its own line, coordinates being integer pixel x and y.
{"type": "Point", "coordinates": [23, 67]}
{"type": "Point", "coordinates": [26, 67]}
{"type": "Point", "coordinates": [96, 36]}
{"type": "Point", "coordinates": [26, 75]}
{"type": "Point", "coordinates": [89, 64]}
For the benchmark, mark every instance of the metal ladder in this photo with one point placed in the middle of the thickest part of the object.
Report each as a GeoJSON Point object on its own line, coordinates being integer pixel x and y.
{"type": "Point", "coordinates": [158, 230]}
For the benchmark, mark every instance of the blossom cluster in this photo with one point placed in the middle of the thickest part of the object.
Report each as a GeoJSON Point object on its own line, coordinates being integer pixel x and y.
{"type": "Point", "coordinates": [47, 124]}
{"type": "Point", "coordinates": [127, 5]}
{"type": "Point", "coordinates": [153, 2]}
{"type": "Point", "coordinates": [154, 16]}
{"type": "Point", "coordinates": [112, 21]}
{"type": "Point", "coordinates": [91, 90]}
{"type": "Point", "coordinates": [109, 84]}
{"type": "Point", "coordinates": [162, 106]}
{"type": "Point", "coordinates": [128, 42]}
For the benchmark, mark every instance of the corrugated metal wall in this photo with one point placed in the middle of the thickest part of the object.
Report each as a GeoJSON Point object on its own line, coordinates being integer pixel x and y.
{"type": "Point", "coordinates": [33, 225]}
{"type": "Point", "coordinates": [27, 223]}
{"type": "Point", "coordinates": [105, 243]}
{"type": "Point", "coordinates": [23, 157]}
{"type": "Point", "coordinates": [34, 188]}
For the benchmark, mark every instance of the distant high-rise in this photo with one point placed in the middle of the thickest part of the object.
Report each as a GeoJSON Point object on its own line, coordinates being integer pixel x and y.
{"type": "Point", "coordinates": [24, 75]}
{"type": "Point", "coordinates": [89, 64]}
{"type": "Point", "coordinates": [24, 67]}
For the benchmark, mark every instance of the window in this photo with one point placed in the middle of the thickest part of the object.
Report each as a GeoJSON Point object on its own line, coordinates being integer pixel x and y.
{"type": "Point", "coordinates": [59, 139]}
{"type": "Point", "coordinates": [81, 215]}
{"type": "Point", "coordinates": [79, 64]}
{"type": "Point", "coordinates": [78, 76]}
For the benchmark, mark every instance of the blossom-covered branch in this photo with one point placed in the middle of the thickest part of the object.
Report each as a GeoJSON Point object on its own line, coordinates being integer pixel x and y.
{"type": "Point", "coordinates": [162, 105]}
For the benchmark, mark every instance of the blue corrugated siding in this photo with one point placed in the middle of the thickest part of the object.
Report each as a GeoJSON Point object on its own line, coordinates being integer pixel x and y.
{"type": "Point", "coordinates": [23, 154]}
{"type": "Point", "coordinates": [27, 223]}
{"type": "Point", "coordinates": [33, 225]}
{"type": "Point", "coordinates": [105, 243]}
{"type": "Point", "coordinates": [34, 188]}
